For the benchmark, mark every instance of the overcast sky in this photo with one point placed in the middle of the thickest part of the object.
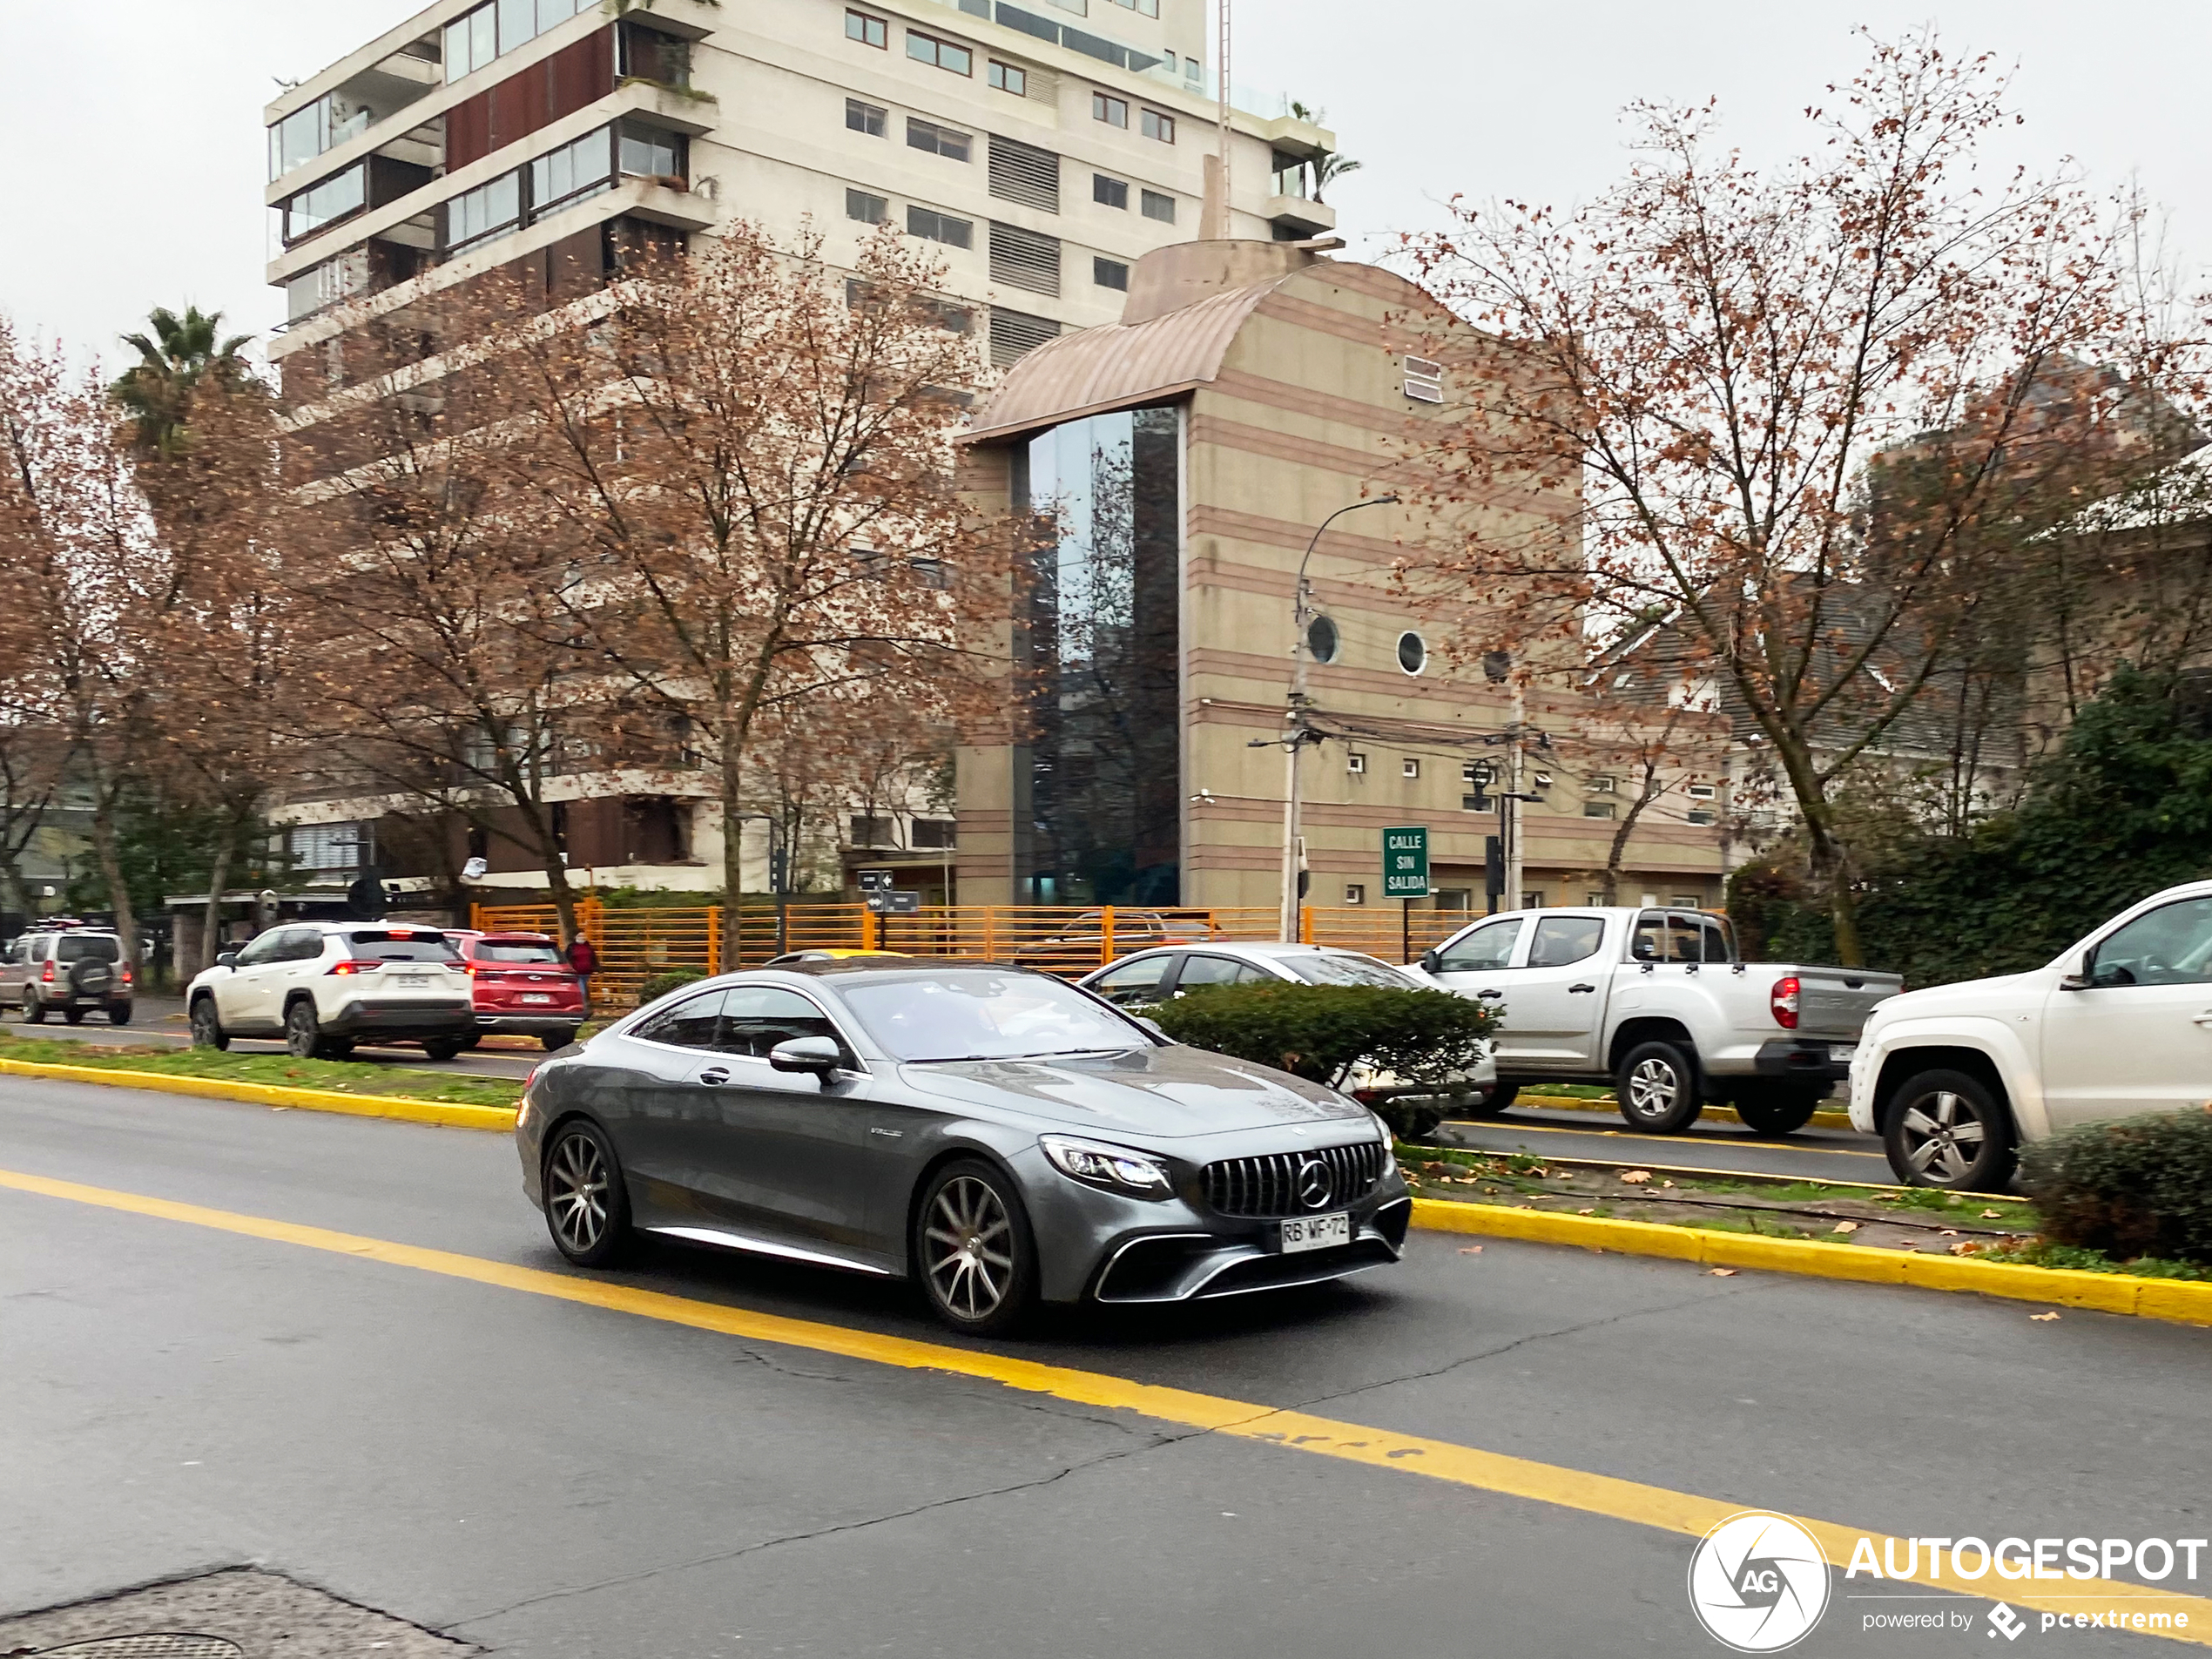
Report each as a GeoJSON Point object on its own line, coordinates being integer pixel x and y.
{"type": "Point", "coordinates": [139, 121]}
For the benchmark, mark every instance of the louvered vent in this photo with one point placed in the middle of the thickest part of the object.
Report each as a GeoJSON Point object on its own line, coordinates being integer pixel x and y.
{"type": "Point", "coordinates": [1424, 380]}
{"type": "Point", "coordinates": [1024, 259]}
{"type": "Point", "coordinates": [1016, 332]}
{"type": "Point", "coordinates": [1021, 172]}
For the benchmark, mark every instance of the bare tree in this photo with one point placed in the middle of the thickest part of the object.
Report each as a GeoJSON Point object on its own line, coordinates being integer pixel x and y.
{"type": "Point", "coordinates": [1808, 411]}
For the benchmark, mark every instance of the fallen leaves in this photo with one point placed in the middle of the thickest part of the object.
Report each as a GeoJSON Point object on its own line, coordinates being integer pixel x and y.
{"type": "Point", "coordinates": [1992, 1214]}
{"type": "Point", "coordinates": [1846, 1227]}
{"type": "Point", "coordinates": [1470, 1250]}
{"type": "Point", "coordinates": [1635, 1177]}
{"type": "Point", "coordinates": [2042, 1318]}
{"type": "Point", "coordinates": [1590, 1212]}
{"type": "Point", "coordinates": [1722, 1273]}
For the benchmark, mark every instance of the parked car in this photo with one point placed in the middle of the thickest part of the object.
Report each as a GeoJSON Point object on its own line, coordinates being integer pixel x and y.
{"type": "Point", "coordinates": [1659, 1004]}
{"type": "Point", "coordinates": [1153, 976]}
{"type": "Point", "coordinates": [994, 1133]}
{"type": "Point", "coordinates": [324, 987]}
{"type": "Point", "coordinates": [1082, 943]}
{"type": "Point", "coordinates": [1955, 1078]}
{"type": "Point", "coordinates": [69, 970]}
{"type": "Point", "coordinates": [520, 983]}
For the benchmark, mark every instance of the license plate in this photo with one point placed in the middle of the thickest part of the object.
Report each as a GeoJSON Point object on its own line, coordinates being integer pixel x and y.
{"type": "Point", "coordinates": [535, 996]}
{"type": "Point", "coordinates": [415, 979]}
{"type": "Point", "coordinates": [1316, 1232]}
{"type": "Point", "coordinates": [1841, 1051]}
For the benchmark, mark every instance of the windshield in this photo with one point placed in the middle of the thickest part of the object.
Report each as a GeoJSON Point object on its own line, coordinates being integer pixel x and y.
{"type": "Point", "coordinates": [982, 1016]}
{"type": "Point", "coordinates": [1348, 971]}
{"type": "Point", "coordinates": [401, 947]}
{"type": "Point", "coordinates": [515, 950]}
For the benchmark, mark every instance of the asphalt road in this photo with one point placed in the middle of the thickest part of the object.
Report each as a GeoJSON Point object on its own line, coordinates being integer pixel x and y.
{"type": "Point", "coordinates": [1814, 1153]}
{"type": "Point", "coordinates": [541, 1477]}
{"type": "Point", "coordinates": [161, 1020]}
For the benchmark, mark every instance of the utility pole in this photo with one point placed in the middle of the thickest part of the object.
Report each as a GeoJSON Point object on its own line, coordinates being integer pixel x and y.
{"type": "Point", "coordinates": [1513, 798]}
{"type": "Point", "coordinates": [1221, 130]}
{"type": "Point", "coordinates": [1296, 733]}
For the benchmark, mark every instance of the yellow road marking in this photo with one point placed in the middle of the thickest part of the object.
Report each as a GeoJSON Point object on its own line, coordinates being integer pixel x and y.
{"type": "Point", "coordinates": [1466, 1466]}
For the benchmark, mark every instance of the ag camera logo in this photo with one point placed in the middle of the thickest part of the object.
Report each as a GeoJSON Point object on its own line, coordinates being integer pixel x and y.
{"type": "Point", "coordinates": [1758, 1582]}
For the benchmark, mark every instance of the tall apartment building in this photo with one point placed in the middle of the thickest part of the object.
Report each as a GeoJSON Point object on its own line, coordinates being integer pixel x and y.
{"type": "Point", "coordinates": [1042, 149]}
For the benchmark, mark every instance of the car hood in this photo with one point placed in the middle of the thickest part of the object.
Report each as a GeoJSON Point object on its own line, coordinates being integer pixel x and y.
{"type": "Point", "coordinates": [1161, 1092]}
{"type": "Point", "coordinates": [2000, 994]}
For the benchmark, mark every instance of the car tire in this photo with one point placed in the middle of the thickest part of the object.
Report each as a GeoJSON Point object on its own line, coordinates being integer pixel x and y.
{"type": "Point", "coordinates": [472, 1039]}
{"type": "Point", "coordinates": [1778, 1111]}
{"type": "Point", "coordinates": [34, 1009]}
{"type": "Point", "coordinates": [1948, 1130]}
{"type": "Point", "coordinates": [1493, 1105]}
{"type": "Point", "coordinates": [1656, 1088]}
{"type": "Point", "coordinates": [337, 1048]}
{"type": "Point", "coordinates": [74, 1016]}
{"type": "Point", "coordinates": [556, 1040]}
{"type": "Point", "coordinates": [303, 1030]}
{"type": "Point", "coordinates": [974, 1253]}
{"type": "Point", "coordinates": [119, 1014]}
{"type": "Point", "coordinates": [207, 1026]}
{"type": "Point", "coordinates": [1423, 1123]}
{"type": "Point", "coordinates": [587, 1205]}
{"type": "Point", "coordinates": [441, 1048]}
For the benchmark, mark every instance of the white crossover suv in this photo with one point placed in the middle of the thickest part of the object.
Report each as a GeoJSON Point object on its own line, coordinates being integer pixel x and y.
{"type": "Point", "coordinates": [1954, 1078]}
{"type": "Point", "coordinates": [324, 987]}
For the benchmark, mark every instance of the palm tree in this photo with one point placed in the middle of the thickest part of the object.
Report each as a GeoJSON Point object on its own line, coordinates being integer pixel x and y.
{"type": "Point", "coordinates": [157, 390]}
{"type": "Point", "coordinates": [1328, 166]}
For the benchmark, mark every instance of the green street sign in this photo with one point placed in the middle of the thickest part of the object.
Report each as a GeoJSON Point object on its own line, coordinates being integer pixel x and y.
{"type": "Point", "coordinates": [1405, 862]}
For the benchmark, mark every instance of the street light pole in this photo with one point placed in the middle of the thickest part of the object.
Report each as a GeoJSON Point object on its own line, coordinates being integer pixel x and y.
{"type": "Point", "coordinates": [1295, 736]}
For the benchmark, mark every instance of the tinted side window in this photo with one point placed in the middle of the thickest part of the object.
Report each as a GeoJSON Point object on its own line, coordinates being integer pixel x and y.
{"type": "Point", "coordinates": [1562, 939]}
{"type": "Point", "coordinates": [266, 947]}
{"type": "Point", "coordinates": [1134, 984]}
{"type": "Point", "coordinates": [1489, 946]}
{"type": "Point", "coordinates": [1662, 937]}
{"type": "Point", "coordinates": [2170, 946]}
{"type": "Point", "coordinates": [756, 1018]}
{"type": "Point", "coordinates": [692, 1023]}
{"type": "Point", "coordinates": [1216, 970]}
{"type": "Point", "coordinates": [78, 948]}
{"type": "Point", "coordinates": [303, 947]}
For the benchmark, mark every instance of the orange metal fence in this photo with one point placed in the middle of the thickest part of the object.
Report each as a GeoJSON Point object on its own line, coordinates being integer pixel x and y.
{"type": "Point", "coordinates": [636, 945]}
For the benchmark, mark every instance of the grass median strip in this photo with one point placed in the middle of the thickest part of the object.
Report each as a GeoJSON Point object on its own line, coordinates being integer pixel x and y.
{"type": "Point", "coordinates": [266, 1070]}
{"type": "Point", "coordinates": [1466, 1465]}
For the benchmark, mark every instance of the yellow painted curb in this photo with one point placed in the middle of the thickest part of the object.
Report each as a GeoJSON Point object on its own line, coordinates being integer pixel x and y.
{"type": "Point", "coordinates": [2184, 1301]}
{"type": "Point", "coordinates": [449, 1114]}
{"type": "Point", "coordinates": [1825, 1118]}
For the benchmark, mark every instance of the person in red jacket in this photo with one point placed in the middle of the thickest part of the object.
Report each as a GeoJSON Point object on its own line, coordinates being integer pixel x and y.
{"type": "Point", "coordinates": [584, 962]}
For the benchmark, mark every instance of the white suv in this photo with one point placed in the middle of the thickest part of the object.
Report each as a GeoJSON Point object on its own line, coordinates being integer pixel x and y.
{"type": "Point", "coordinates": [323, 987]}
{"type": "Point", "coordinates": [1955, 1077]}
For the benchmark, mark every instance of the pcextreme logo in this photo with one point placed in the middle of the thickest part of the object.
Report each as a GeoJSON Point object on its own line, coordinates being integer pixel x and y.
{"type": "Point", "coordinates": [1758, 1582]}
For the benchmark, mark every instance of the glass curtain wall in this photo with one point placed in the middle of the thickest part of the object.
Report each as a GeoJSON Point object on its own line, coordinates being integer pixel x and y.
{"type": "Point", "coordinates": [1104, 756]}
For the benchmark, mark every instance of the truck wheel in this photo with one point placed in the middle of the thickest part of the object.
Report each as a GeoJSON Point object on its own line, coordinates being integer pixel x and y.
{"type": "Point", "coordinates": [1778, 1112]}
{"type": "Point", "coordinates": [1493, 1105]}
{"type": "Point", "coordinates": [1656, 1086]}
{"type": "Point", "coordinates": [1945, 1128]}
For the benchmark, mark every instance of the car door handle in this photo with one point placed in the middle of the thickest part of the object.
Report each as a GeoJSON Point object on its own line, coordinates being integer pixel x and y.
{"type": "Point", "coordinates": [1574, 988]}
{"type": "Point", "coordinates": [2205, 1018]}
{"type": "Point", "coordinates": [714, 1075]}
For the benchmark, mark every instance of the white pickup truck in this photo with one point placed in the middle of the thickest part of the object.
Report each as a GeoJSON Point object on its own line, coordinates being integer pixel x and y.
{"type": "Point", "coordinates": [1658, 1003]}
{"type": "Point", "coordinates": [1955, 1077]}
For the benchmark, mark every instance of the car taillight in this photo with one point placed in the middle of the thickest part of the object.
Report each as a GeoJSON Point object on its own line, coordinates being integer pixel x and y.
{"type": "Point", "coordinates": [1782, 1000]}
{"type": "Point", "coordinates": [46, 974]}
{"type": "Point", "coordinates": [355, 966]}
{"type": "Point", "coordinates": [126, 972]}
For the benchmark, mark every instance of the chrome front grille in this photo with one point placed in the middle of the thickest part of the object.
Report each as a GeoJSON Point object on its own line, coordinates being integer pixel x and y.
{"type": "Point", "coordinates": [1284, 1183]}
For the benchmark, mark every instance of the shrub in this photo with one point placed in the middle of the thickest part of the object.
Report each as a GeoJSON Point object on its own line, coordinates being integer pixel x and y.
{"type": "Point", "coordinates": [661, 984]}
{"type": "Point", "coordinates": [2138, 1186]}
{"type": "Point", "coordinates": [1319, 1032]}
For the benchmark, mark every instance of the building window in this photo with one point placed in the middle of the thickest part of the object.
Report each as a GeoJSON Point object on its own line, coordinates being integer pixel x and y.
{"type": "Point", "coordinates": [875, 831]}
{"type": "Point", "coordinates": [1113, 111]}
{"type": "Point", "coordinates": [473, 39]}
{"type": "Point", "coordinates": [1599, 809]}
{"type": "Point", "coordinates": [869, 31]}
{"type": "Point", "coordinates": [948, 142]}
{"type": "Point", "coordinates": [322, 204]}
{"type": "Point", "coordinates": [575, 171]}
{"type": "Point", "coordinates": [864, 118]}
{"type": "Point", "coordinates": [1024, 259]}
{"type": "Point", "coordinates": [1010, 77]}
{"type": "Point", "coordinates": [651, 152]}
{"type": "Point", "coordinates": [1532, 901]}
{"type": "Point", "coordinates": [934, 834]}
{"type": "Point", "coordinates": [1145, 8]}
{"type": "Point", "coordinates": [945, 54]}
{"type": "Point", "coordinates": [1356, 765]}
{"type": "Point", "coordinates": [489, 210]}
{"type": "Point", "coordinates": [1159, 207]}
{"type": "Point", "coordinates": [1413, 653]}
{"type": "Point", "coordinates": [935, 226]}
{"type": "Point", "coordinates": [1601, 786]}
{"type": "Point", "coordinates": [1409, 767]}
{"type": "Point", "coordinates": [1108, 193]}
{"type": "Point", "coordinates": [306, 132]}
{"type": "Point", "coordinates": [1110, 274]}
{"type": "Point", "coordinates": [869, 210]}
{"type": "Point", "coordinates": [1593, 898]}
{"type": "Point", "coordinates": [1355, 892]}
{"type": "Point", "coordinates": [1687, 901]}
{"type": "Point", "coordinates": [331, 846]}
{"type": "Point", "coordinates": [1701, 815]}
{"type": "Point", "coordinates": [1159, 126]}
{"type": "Point", "coordinates": [1702, 791]}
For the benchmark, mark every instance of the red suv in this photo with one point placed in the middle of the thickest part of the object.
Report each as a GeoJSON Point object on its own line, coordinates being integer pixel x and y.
{"type": "Point", "coordinates": [520, 982]}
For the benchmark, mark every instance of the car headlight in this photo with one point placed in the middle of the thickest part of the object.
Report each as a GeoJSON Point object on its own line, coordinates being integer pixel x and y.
{"type": "Point", "coordinates": [1114, 1168]}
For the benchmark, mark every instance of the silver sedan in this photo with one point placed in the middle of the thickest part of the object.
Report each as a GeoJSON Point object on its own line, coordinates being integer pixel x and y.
{"type": "Point", "coordinates": [991, 1133]}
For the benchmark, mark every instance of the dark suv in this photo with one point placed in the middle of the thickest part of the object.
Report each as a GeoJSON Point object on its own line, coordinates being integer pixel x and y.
{"type": "Point", "coordinates": [74, 970]}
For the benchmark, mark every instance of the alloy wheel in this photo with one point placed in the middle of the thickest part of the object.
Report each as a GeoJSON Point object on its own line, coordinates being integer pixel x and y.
{"type": "Point", "coordinates": [967, 1248]}
{"type": "Point", "coordinates": [1943, 1135]}
{"type": "Point", "coordinates": [1652, 1088]}
{"type": "Point", "coordinates": [575, 1192]}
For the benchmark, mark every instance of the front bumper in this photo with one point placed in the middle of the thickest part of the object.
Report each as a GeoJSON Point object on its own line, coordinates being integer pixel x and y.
{"type": "Point", "coordinates": [379, 1018]}
{"type": "Point", "coordinates": [1810, 1058]}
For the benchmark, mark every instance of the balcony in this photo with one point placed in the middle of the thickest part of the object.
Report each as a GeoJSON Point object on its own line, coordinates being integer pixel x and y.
{"type": "Point", "coordinates": [1295, 219]}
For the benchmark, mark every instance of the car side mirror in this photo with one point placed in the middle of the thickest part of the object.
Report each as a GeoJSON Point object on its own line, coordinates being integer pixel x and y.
{"type": "Point", "coordinates": [228, 959]}
{"type": "Point", "coordinates": [2083, 975]}
{"type": "Point", "coordinates": [821, 1056]}
{"type": "Point", "coordinates": [1429, 960]}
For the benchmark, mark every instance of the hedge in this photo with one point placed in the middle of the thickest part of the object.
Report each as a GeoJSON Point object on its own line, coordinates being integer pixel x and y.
{"type": "Point", "coordinates": [2133, 1187]}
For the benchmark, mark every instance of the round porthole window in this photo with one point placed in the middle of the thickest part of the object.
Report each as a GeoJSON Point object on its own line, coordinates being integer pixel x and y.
{"type": "Point", "coordinates": [1413, 653]}
{"type": "Point", "coordinates": [1321, 641]}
